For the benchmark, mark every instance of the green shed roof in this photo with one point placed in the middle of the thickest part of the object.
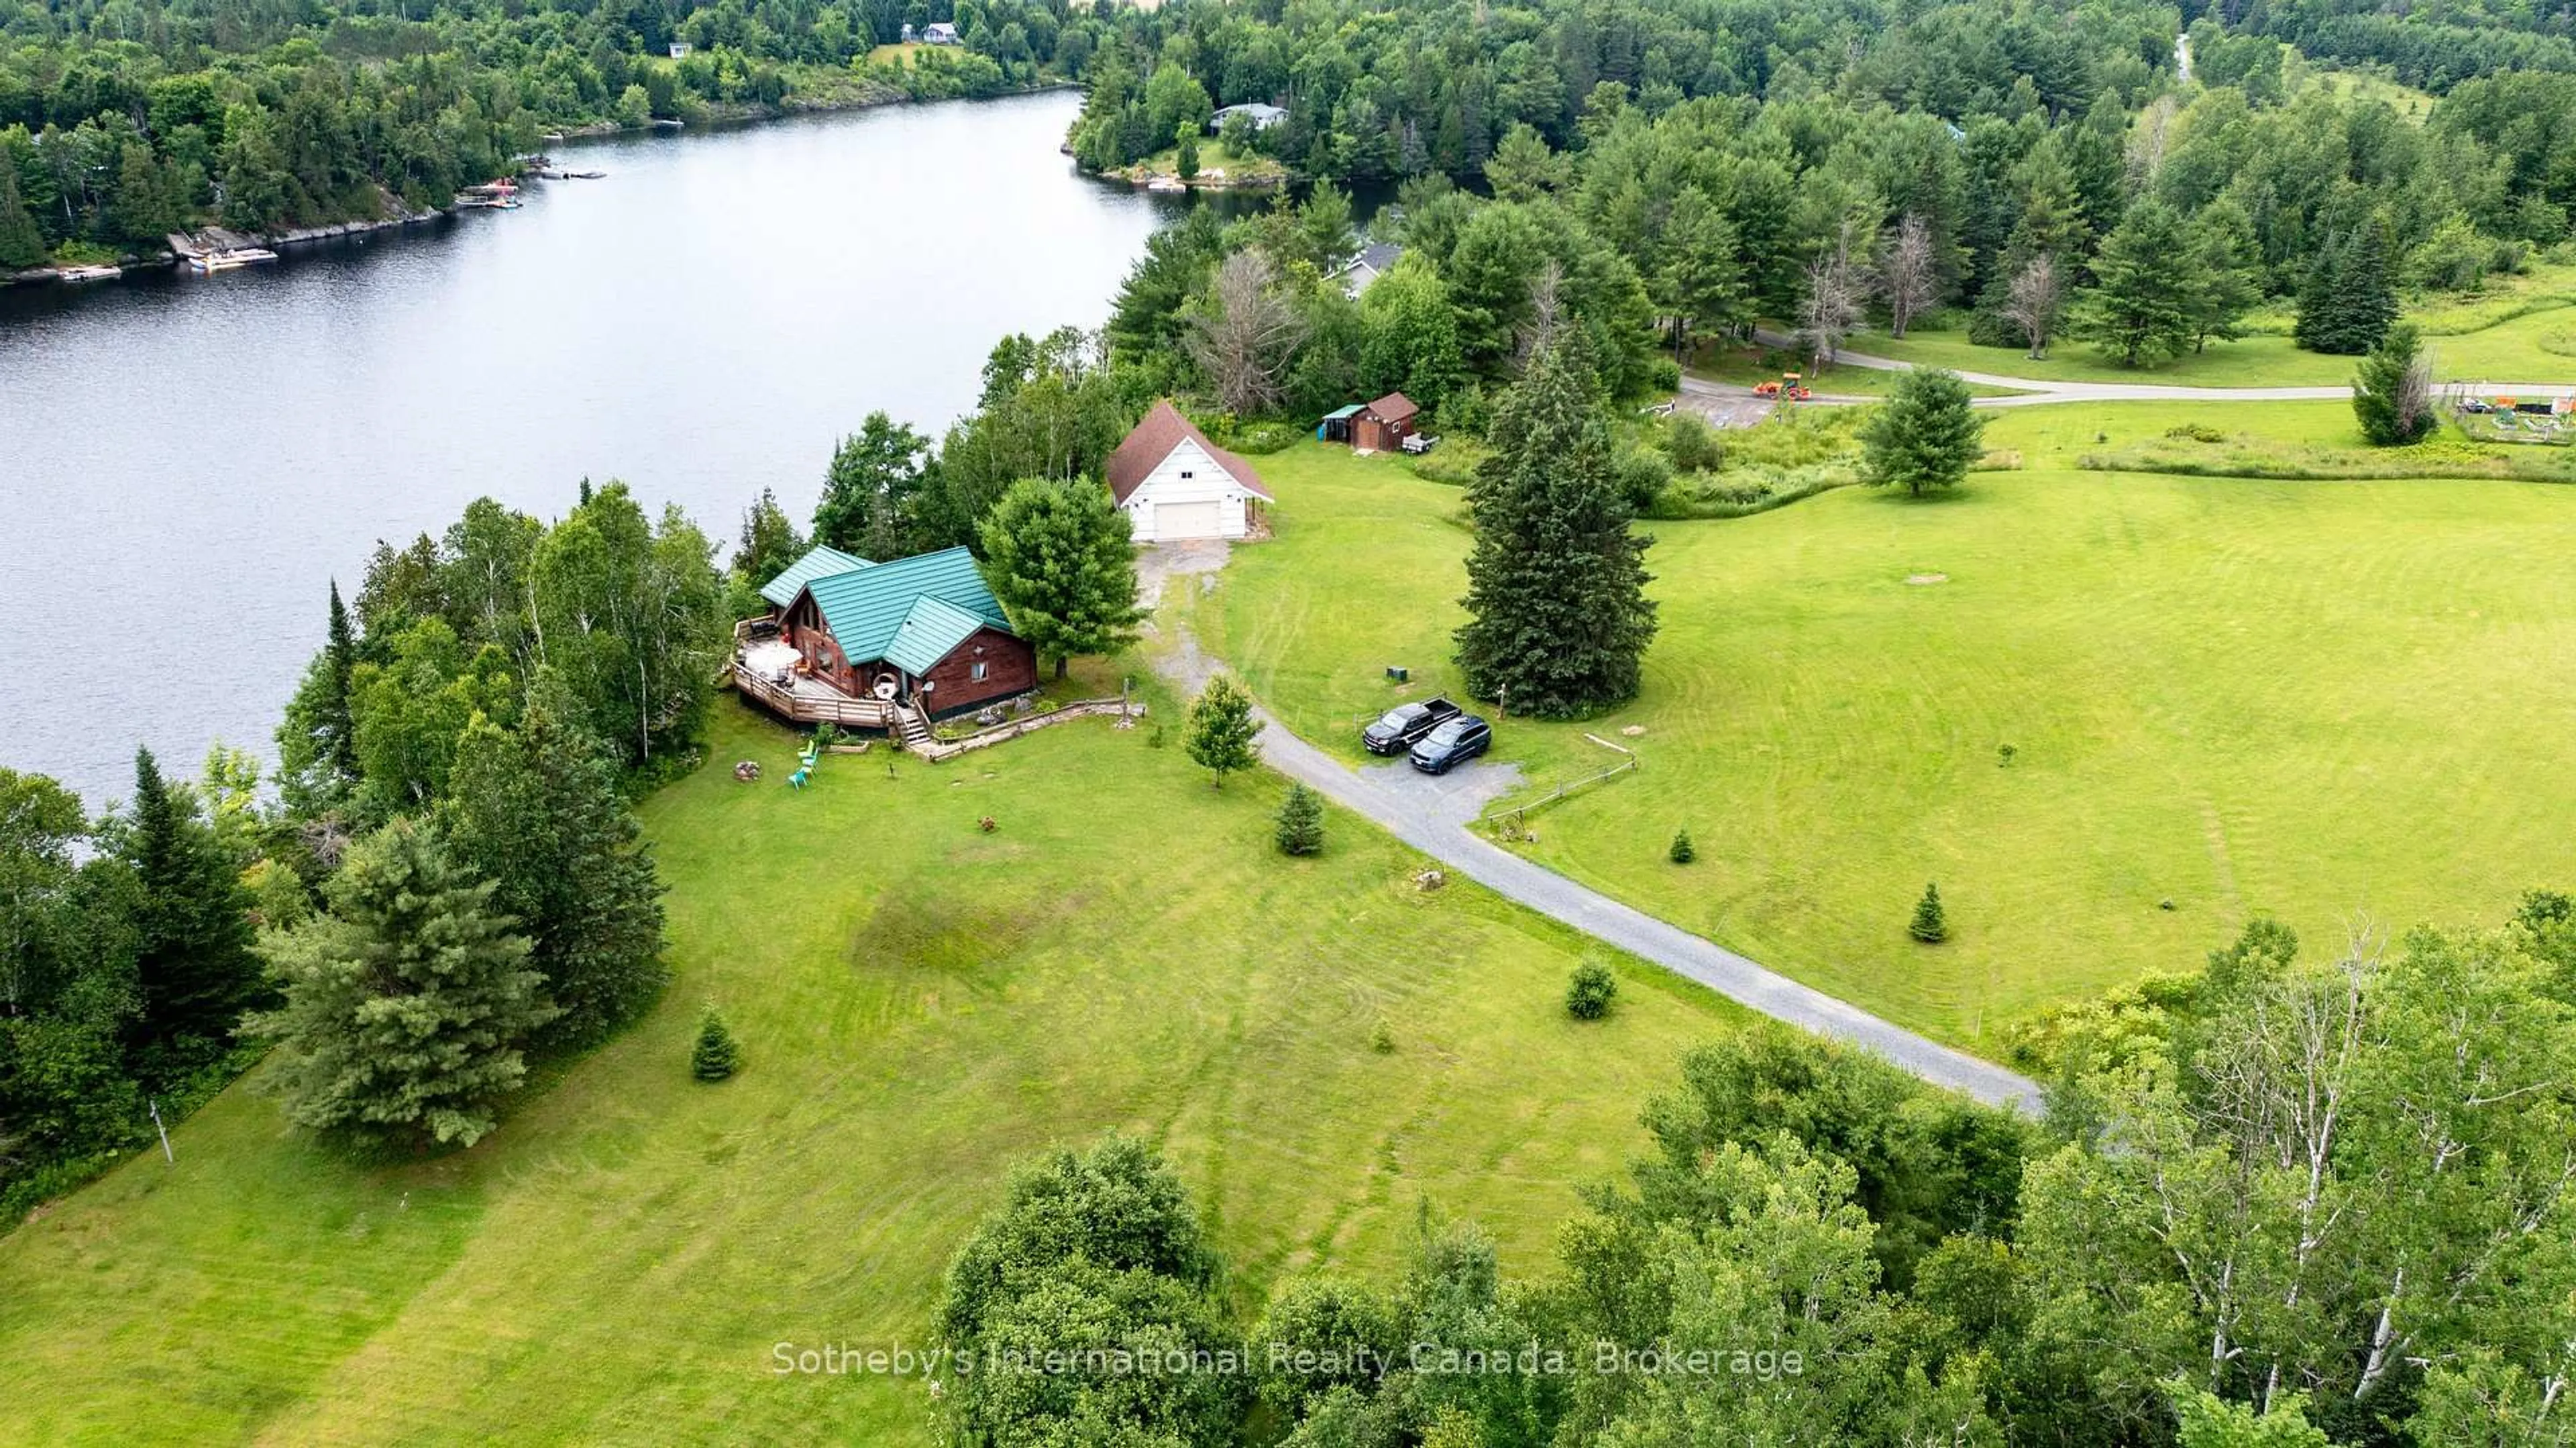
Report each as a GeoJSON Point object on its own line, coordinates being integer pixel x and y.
{"type": "Point", "coordinates": [820, 562]}
{"type": "Point", "coordinates": [1340, 412]}
{"type": "Point", "coordinates": [909, 612]}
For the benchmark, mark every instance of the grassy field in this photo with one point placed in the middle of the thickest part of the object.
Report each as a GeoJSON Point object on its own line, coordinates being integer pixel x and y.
{"type": "Point", "coordinates": [2299, 698]}
{"type": "Point", "coordinates": [921, 1005]}
{"type": "Point", "coordinates": [2519, 329]}
{"type": "Point", "coordinates": [2270, 439]}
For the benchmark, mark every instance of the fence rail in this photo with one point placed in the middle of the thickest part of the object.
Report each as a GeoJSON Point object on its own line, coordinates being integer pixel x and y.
{"type": "Point", "coordinates": [1519, 814]}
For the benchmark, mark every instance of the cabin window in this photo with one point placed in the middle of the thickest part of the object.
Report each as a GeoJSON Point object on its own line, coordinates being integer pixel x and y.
{"type": "Point", "coordinates": [1186, 475]}
{"type": "Point", "coordinates": [978, 673]}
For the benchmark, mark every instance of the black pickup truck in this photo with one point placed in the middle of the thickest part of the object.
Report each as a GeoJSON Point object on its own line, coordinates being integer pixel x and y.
{"type": "Point", "coordinates": [1399, 728]}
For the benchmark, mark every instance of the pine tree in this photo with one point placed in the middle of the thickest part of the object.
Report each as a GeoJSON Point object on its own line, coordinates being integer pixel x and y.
{"type": "Point", "coordinates": [22, 242]}
{"type": "Point", "coordinates": [1301, 822]}
{"type": "Point", "coordinates": [193, 959]}
{"type": "Point", "coordinates": [2141, 309]}
{"type": "Point", "coordinates": [1683, 851]}
{"type": "Point", "coordinates": [716, 1056]}
{"type": "Point", "coordinates": [340, 655]}
{"type": "Point", "coordinates": [2350, 296]}
{"type": "Point", "coordinates": [537, 812]}
{"type": "Point", "coordinates": [408, 1005]}
{"type": "Point", "coordinates": [1058, 557]}
{"type": "Point", "coordinates": [1929, 924]}
{"type": "Point", "coordinates": [1925, 436]}
{"type": "Point", "coordinates": [2392, 393]}
{"type": "Point", "coordinates": [1558, 618]}
{"type": "Point", "coordinates": [1221, 730]}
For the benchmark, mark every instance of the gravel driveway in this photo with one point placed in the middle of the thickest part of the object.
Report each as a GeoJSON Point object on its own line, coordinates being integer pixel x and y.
{"type": "Point", "coordinates": [1432, 814]}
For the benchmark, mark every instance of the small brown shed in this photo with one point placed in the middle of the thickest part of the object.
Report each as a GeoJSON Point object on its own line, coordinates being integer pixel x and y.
{"type": "Point", "coordinates": [1383, 425]}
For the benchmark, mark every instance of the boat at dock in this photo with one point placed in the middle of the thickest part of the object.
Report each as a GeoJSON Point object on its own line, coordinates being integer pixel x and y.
{"type": "Point", "coordinates": [502, 195]}
{"type": "Point", "coordinates": [227, 260]}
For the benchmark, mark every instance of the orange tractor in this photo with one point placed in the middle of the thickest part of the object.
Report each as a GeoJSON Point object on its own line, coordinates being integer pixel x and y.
{"type": "Point", "coordinates": [1788, 389]}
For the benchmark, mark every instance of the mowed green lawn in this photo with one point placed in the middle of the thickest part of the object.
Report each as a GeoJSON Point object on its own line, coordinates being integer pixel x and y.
{"type": "Point", "coordinates": [2519, 329]}
{"type": "Point", "coordinates": [2323, 701]}
{"type": "Point", "coordinates": [921, 1006]}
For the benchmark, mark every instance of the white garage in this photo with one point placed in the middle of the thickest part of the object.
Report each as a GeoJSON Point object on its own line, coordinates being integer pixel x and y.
{"type": "Point", "coordinates": [1175, 484]}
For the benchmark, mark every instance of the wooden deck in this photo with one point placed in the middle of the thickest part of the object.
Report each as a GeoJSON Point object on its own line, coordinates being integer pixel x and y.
{"type": "Point", "coordinates": [811, 701]}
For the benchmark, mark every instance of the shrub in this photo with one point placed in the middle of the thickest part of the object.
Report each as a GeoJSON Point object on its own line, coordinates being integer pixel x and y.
{"type": "Point", "coordinates": [1692, 444]}
{"type": "Point", "coordinates": [1588, 995]}
{"type": "Point", "coordinates": [1301, 822]}
{"type": "Point", "coordinates": [716, 1057]}
{"type": "Point", "coordinates": [1665, 375]}
{"type": "Point", "coordinates": [1643, 474]}
{"type": "Point", "coordinates": [1929, 925]}
{"type": "Point", "coordinates": [2195, 432]}
{"type": "Point", "coordinates": [1382, 1037]}
{"type": "Point", "coordinates": [1682, 852]}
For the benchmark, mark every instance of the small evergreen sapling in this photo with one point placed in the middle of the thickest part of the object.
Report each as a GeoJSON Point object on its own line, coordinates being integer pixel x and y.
{"type": "Point", "coordinates": [1929, 924]}
{"type": "Point", "coordinates": [716, 1057]}
{"type": "Point", "coordinates": [1683, 852]}
{"type": "Point", "coordinates": [1588, 996]}
{"type": "Point", "coordinates": [1301, 822]}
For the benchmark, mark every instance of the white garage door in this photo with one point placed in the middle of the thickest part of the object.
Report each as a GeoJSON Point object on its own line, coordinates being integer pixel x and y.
{"type": "Point", "coordinates": [1186, 520]}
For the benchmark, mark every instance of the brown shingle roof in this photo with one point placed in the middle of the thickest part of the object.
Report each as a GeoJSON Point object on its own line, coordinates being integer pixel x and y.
{"type": "Point", "coordinates": [1394, 407]}
{"type": "Point", "coordinates": [1153, 440]}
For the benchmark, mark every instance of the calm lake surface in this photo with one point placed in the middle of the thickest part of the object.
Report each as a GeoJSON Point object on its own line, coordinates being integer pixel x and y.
{"type": "Point", "coordinates": [186, 462]}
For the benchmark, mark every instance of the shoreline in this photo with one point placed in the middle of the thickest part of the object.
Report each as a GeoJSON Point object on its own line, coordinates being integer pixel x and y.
{"type": "Point", "coordinates": [718, 117]}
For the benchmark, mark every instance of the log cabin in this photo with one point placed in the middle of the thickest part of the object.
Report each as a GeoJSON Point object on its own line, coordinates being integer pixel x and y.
{"type": "Point", "coordinates": [922, 634]}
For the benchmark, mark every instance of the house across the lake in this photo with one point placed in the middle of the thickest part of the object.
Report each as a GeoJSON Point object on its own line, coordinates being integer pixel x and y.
{"type": "Point", "coordinates": [1174, 484]}
{"type": "Point", "coordinates": [881, 645]}
{"type": "Point", "coordinates": [939, 32]}
{"type": "Point", "coordinates": [1262, 117]}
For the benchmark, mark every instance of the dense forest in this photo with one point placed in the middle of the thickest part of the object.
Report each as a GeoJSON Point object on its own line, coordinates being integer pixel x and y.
{"type": "Point", "coordinates": [120, 122]}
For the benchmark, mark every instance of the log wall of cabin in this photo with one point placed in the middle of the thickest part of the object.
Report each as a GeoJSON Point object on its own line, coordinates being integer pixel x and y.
{"type": "Point", "coordinates": [1010, 669]}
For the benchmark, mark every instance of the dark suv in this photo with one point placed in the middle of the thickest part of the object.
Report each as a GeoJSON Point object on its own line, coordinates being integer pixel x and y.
{"type": "Point", "coordinates": [1451, 743]}
{"type": "Point", "coordinates": [1399, 728]}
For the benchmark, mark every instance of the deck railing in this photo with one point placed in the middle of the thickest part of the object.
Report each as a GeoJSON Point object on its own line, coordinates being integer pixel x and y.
{"type": "Point", "coordinates": [807, 709]}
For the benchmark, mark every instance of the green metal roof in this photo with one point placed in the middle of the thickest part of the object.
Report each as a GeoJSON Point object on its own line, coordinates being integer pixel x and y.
{"type": "Point", "coordinates": [909, 612]}
{"type": "Point", "coordinates": [929, 631]}
{"type": "Point", "coordinates": [820, 562]}
{"type": "Point", "coordinates": [1351, 411]}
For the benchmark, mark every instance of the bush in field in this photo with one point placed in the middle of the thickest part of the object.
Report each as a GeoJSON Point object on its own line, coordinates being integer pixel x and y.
{"type": "Point", "coordinates": [716, 1057]}
{"type": "Point", "coordinates": [1930, 924]}
{"type": "Point", "coordinates": [1588, 995]}
{"type": "Point", "coordinates": [1301, 822]}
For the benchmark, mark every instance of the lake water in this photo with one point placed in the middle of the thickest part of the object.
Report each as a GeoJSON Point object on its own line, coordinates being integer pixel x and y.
{"type": "Point", "coordinates": [185, 462]}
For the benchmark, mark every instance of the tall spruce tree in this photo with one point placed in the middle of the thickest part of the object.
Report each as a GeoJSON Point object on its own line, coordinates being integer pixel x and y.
{"type": "Point", "coordinates": [2350, 296]}
{"type": "Point", "coordinates": [2392, 392]}
{"type": "Point", "coordinates": [340, 656]}
{"type": "Point", "coordinates": [537, 812]}
{"type": "Point", "coordinates": [1558, 618]}
{"type": "Point", "coordinates": [194, 965]}
{"type": "Point", "coordinates": [22, 244]}
{"type": "Point", "coordinates": [408, 1006]}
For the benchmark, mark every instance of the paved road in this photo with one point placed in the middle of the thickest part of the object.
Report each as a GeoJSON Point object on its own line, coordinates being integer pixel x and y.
{"type": "Point", "coordinates": [1432, 815]}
